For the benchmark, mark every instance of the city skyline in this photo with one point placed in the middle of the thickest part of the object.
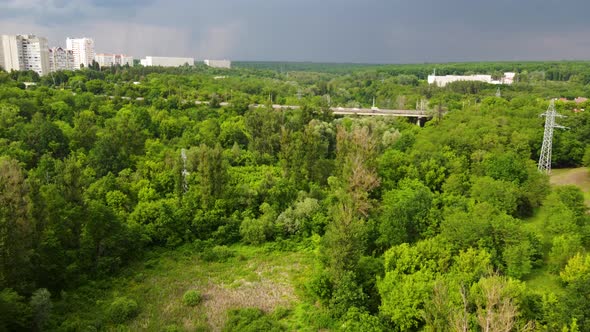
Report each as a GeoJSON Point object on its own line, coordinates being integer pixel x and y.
{"type": "Point", "coordinates": [372, 31]}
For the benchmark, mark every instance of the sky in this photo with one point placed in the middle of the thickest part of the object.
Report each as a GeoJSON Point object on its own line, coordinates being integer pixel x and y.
{"type": "Point", "coordinates": [359, 31]}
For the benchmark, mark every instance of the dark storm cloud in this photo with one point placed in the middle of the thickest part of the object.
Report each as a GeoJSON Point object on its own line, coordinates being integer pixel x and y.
{"type": "Point", "coordinates": [313, 30]}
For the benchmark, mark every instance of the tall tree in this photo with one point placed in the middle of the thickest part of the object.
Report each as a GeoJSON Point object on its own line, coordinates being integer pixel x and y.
{"type": "Point", "coordinates": [15, 226]}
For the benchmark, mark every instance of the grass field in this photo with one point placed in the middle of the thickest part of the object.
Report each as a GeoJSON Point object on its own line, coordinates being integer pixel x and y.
{"type": "Point", "coordinates": [260, 277]}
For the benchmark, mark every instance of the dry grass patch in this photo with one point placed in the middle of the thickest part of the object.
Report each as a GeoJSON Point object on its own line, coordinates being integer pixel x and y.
{"type": "Point", "coordinates": [264, 294]}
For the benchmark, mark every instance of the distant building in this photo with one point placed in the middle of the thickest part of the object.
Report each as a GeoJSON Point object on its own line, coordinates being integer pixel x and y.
{"type": "Point", "coordinates": [218, 63]}
{"type": "Point", "coordinates": [24, 52]}
{"type": "Point", "coordinates": [166, 61]}
{"type": "Point", "coordinates": [107, 60]}
{"type": "Point", "coordinates": [61, 59]}
{"type": "Point", "coordinates": [83, 49]}
{"type": "Point", "coordinates": [442, 81]}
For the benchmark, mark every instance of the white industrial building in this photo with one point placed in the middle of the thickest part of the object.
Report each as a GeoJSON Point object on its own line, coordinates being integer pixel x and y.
{"type": "Point", "coordinates": [218, 63]}
{"type": "Point", "coordinates": [61, 59]}
{"type": "Point", "coordinates": [166, 61]}
{"type": "Point", "coordinates": [83, 49]}
{"type": "Point", "coordinates": [442, 81]}
{"type": "Point", "coordinates": [24, 52]}
{"type": "Point", "coordinates": [107, 60]}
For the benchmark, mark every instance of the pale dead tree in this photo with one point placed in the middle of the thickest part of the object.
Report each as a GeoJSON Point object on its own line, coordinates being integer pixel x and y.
{"type": "Point", "coordinates": [400, 101]}
{"type": "Point", "coordinates": [459, 319]}
{"type": "Point", "coordinates": [496, 311]}
{"type": "Point", "coordinates": [356, 150]}
{"type": "Point", "coordinates": [438, 310]}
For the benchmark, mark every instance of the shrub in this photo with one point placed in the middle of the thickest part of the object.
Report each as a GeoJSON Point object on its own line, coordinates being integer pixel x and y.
{"type": "Point", "coordinates": [192, 298]}
{"type": "Point", "coordinates": [357, 320]}
{"type": "Point", "coordinates": [251, 320]}
{"type": "Point", "coordinates": [217, 254]}
{"type": "Point", "coordinates": [320, 286]}
{"type": "Point", "coordinates": [122, 309]}
{"type": "Point", "coordinates": [256, 231]}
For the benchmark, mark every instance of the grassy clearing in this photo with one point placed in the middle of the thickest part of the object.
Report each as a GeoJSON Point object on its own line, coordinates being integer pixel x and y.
{"type": "Point", "coordinates": [258, 277]}
{"type": "Point", "coordinates": [543, 280]}
{"type": "Point", "coordinates": [575, 176]}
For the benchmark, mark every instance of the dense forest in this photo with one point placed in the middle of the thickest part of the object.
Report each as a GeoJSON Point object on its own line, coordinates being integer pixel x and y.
{"type": "Point", "coordinates": [106, 175]}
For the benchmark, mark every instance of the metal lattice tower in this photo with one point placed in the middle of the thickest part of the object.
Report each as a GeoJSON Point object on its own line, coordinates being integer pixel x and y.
{"type": "Point", "coordinates": [545, 159]}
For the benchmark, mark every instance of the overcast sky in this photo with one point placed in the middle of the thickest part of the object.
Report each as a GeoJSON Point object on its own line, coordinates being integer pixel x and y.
{"type": "Point", "coordinates": [367, 31]}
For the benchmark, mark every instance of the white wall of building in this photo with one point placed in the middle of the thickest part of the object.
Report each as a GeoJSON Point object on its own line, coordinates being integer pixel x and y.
{"type": "Point", "coordinates": [11, 57]}
{"type": "Point", "coordinates": [218, 63]}
{"type": "Point", "coordinates": [442, 81]}
{"type": "Point", "coordinates": [83, 49]}
{"type": "Point", "coordinates": [107, 60]}
{"type": "Point", "coordinates": [61, 59]}
{"type": "Point", "coordinates": [166, 61]}
{"type": "Point", "coordinates": [36, 54]}
{"type": "Point", "coordinates": [24, 52]}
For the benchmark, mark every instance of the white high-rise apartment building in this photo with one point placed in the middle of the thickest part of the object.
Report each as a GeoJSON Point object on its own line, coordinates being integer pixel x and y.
{"type": "Point", "coordinates": [83, 49]}
{"type": "Point", "coordinates": [107, 60]}
{"type": "Point", "coordinates": [61, 59]}
{"type": "Point", "coordinates": [24, 52]}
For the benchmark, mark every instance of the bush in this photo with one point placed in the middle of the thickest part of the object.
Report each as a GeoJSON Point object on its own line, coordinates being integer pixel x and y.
{"type": "Point", "coordinates": [357, 320]}
{"type": "Point", "coordinates": [320, 286]}
{"type": "Point", "coordinates": [217, 254]}
{"type": "Point", "coordinates": [251, 320]}
{"type": "Point", "coordinates": [122, 309]}
{"type": "Point", "coordinates": [192, 298]}
{"type": "Point", "coordinates": [256, 231]}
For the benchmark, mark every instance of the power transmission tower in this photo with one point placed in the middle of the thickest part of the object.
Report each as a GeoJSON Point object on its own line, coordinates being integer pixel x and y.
{"type": "Point", "coordinates": [498, 93]}
{"type": "Point", "coordinates": [545, 159]}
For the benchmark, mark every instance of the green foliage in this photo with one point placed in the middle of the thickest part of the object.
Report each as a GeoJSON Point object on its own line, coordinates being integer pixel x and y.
{"type": "Point", "coordinates": [92, 178]}
{"type": "Point", "coordinates": [257, 231]}
{"type": "Point", "coordinates": [191, 298]}
{"type": "Point", "coordinates": [356, 320]}
{"type": "Point", "coordinates": [498, 193]}
{"type": "Point", "coordinates": [217, 254]}
{"type": "Point", "coordinates": [14, 311]}
{"type": "Point", "coordinates": [251, 319]}
{"type": "Point", "coordinates": [517, 258]}
{"type": "Point", "coordinates": [405, 213]}
{"type": "Point", "coordinates": [41, 307]}
{"type": "Point", "coordinates": [577, 269]}
{"type": "Point", "coordinates": [301, 219]}
{"type": "Point", "coordinates": [122, 309]}
{"type": "Point", "coordinates": [410, 272]}
{"type": "Point", "coordinates": [321, 287]}
{"type": "Point", "coordinates": [563, 248]}
{"type": "Point", "coordinates": [586, 158]}
{"type": "Point", "coordinates": [346, 294]}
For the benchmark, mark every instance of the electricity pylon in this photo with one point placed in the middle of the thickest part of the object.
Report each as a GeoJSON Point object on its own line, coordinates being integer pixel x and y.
{"type": "Point", "coordinates": [545, 159]}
